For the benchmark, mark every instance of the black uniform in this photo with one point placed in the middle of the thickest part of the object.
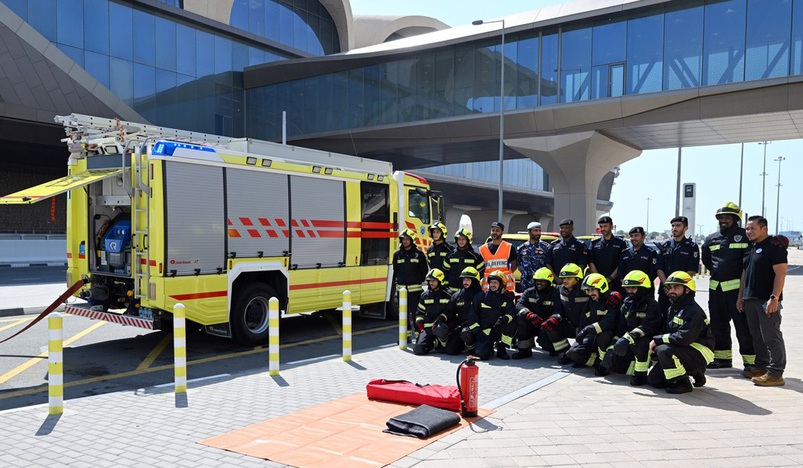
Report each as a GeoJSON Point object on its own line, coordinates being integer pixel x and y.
{"type": "Point", "coordinates": [644, 259]}
{"type": "Point", "coordinates": [676, 256]}
{"type": "Point", "coordinates": [686, 347]}
{"type": "Point", "coordinates": [722, 254]}
{"type": "Point", "coordinates": [409, 271]}
{"type": "Point", "coordinates": [562, 252]}
{"type": "Point", "coordinates": [590, 349]}
{"type": "Point", "coordinates": [431, 307]}
{"type": "Point", "coordinates": [436, 255]}
{"type": "Point", "coordinates": [491, 321]}
{"type": "Point", "coordinates": [457, 312]}
{"type": "Point", "coordinates": [574, 302]}
{"type": "Point", "coordinates": [605, 255]}
{"type": "Point", "coordinates": [544, 304]}
{"type": "Point", "coordinates": [457, 261]}
{"type": "Point", "coordinates": [639, 321]}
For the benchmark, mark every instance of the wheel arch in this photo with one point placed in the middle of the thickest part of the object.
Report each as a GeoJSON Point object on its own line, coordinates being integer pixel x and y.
{"type": "Point", "coordinates": [273, 274]}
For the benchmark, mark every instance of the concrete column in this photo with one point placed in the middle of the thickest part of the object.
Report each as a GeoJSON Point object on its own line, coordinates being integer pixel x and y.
{"type": "Point", "coordinates": [576, 164]}
{"type": "Point", "coordinates": [546, 222]}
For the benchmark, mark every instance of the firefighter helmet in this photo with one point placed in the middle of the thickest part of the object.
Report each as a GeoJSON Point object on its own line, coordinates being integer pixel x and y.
{"type": "Point", "coordinates": [498, 276]}
{"type": "Point", "coordinates": [438, 225]}
{"type": "Point", "coordinates": [436, 274]}
{"type": "Point", "coordinates": [470, 272]}
{"type": "Point", "coordinates": [730, 208]}
{"type": "Point", "coordinates": [636, 279]}
{"type": "Point", "coordinates": [680, 277]}
{"type": "Point", "coordinates": [463, 232]}
{"type": "Point", "coordinates": [595, 281]}
{"type": "Point", "coordinates": [571, 270]}
{"type": "Point", "coordinates": [544, 274]}
{"type": "Point", "coordinates": [408, 233]}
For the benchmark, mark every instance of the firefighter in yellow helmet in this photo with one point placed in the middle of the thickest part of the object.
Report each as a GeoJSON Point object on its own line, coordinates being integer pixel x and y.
{"type": "Point", "coordinates": [464, 256]}
{"type": "Point", "coordinates": [722, 254]}
{"type": "Point", "coordinates": [685, 349]}
{"type": "Point", "coordinates": [440, 249]}
{"type": "Point", "coordinates": [491, 320]}
{"type": "Point", "coordinates": [409, 270]}
{"type": "Point", "coordinates": [430, 317]}
{"type": "Point", "coordinates": [535, 306]}
{"type": "Point", "coordinates": [458, 309]}
{"type": "Point", "coordinates": [639, 321]}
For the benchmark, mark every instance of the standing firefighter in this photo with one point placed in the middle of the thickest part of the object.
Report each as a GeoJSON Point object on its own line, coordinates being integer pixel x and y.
{"type": "Point", "coordinates": [409, 270]}
{"type": "Point", "coordinates": [685, 349]}
{"type": "Point", "coordinates": [639, 320]}
{"type": "Point", "coordinates": [535, 306]}
{"type": "Point", "coordinates": [599, 322]}
{"type": "Point", "coordinates": [500, 257]}
{"type": "Point", "coordinates": [430, 319]}
{"type": "Point", "coordinates": [459, 308]}
{"type": "Point", "coordinates": [605, 252]}
{"type": "Point", "coordinates": [722, 254]}
{"type": "Point", "coordinates": [491, 320]}
{"type": "Point", "coordinates": [679, 253]}
{"type": "Point", "coordinates": [531, 255]}
{"type": "Point", "coordinates": [440, 249]}
{"type": "Point", "coordinates": [464, 256]}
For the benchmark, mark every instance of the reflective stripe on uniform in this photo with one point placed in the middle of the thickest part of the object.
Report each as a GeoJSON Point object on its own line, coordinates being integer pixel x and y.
{"type": "Point", "coordinates": [678, 320]}
{"type": "Point", "coordinates": [741, 245]}
{"type": "Point", "coordinates": [724, 354]}
{"type": "Point", "coordinates": [678, 371]}
{"type": "Point", "coordinates": [631, 369]}
{"type": "Point", "coordinates": [562, 344]}
{"type": "Point", "coordinates": [729, 285]}
{"type": "Point", "coordinates": [429, 301]}
{"type": "Point", "coordinates": [642, 366]}
{"type": "Point", "coordinates": [629, 338]}
{"type": "Point", "coordinates": [597, 327]}
{"type": "Point", "coordinates": [714, 248]}
{"type": "Point", "coordinates": [712, 284]}
{"type": "Point", "coordinates": [410, 287]}
{"type": "Point", "coordinates": [591, 360]}
{"type": "Point", "coordinates": [444, 301]}
{"type": "Point", "coordinates": [705, 351]}
{"type": "Point", "coordinates": [665, 337]}
{"type": "Point", "coordinates": [749, 359]}
{"type": "Point", "coordinates": [473, 326]}
{"type": "Point", "coordinates": [508, 340]}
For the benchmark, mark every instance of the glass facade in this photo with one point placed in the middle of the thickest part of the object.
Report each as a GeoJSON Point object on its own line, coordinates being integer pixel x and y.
{"type": "Point", "coordinates": [666, 47]}
{"type": "Point", "coordinates": [522, 173]}
{"type": "Point", "coordinates": [303, 24]}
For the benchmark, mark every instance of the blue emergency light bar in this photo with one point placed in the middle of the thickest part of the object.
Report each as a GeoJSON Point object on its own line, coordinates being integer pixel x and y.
{"type": "Point", "coordinates": [167, 148]}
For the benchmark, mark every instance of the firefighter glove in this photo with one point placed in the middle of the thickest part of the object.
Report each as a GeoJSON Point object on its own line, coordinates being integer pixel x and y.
{"type": "Point", "coordinates": [588, 331]}
{"type": "Point", "coordinates": [614, 300]}
{"type": "Point", "coordinates": [550, 324]}
{"type": "Point", "coordinates": [621, 346]}
{"type": "Point", "coordinates": [467, 336]}
{"type": "Point", "coordinates": [499, 325]}
{"type": "Point", "coordinates": [534, 319]}
{"type": "Point", "coordinates": [419, 325]}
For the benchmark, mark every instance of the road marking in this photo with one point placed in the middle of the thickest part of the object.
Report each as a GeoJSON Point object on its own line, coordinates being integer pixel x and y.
{"type": "Point", "coordinates": [31, 362]}
{"type": "Point", "coordinates": [17, 318]}
{"type": "Point", "coordinates": [328, 315]}
{"type": "Point", "coordinates": [146, 363]}
{"type": "Point", "coordinates": [199, 379]}
{"type": "Point", "coordinates": [18, 322]}
{"type": "Point", "coordinates": [104, 378]}
{"type": "Point", "coordinates": [319, 358]}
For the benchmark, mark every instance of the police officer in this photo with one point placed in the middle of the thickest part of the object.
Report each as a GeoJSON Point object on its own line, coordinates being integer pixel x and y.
{"type": "Point", "coordinates": [677, 254]}
{"type": "Point", "coordinates": [531, 255]}
{"type": "Point", "coordinates": [598, 323]}
{"type": "Point", "coordinates": [462, 257]}
{"type": "Point", "coordinates": [605, 252]}
{"type": "Point", "coordinates": [440, 249]}
{"type": "Point", "coordinates": [409, 269]}
{"type": "Point", "coordinates": [430, 319]}
{"type": "Point", "coordinates": [567, 249]}
{"type": "Point", "coordinates": [458, 309]}
{"type": "Point", "coordinates": [491, 320]}
{"type": "Point", "coordinates": [639, 257]}
{"type": "Point", "coordinates": [499, 255]}
{"type": "Point", "coordinates": [536, 305]}
{"type": "Point", "coordinates": [722, 254]}
{"type": "Point", "coordinates": [685, 349]}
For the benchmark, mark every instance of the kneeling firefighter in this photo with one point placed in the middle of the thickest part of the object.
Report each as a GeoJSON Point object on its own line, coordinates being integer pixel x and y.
{"type": "Point", "coordinates": [535, 306]}
{"type": "Point", "coordinates": [639, 321]}
{"type": "Point", "coordinates": [491, 319]}
{"type": "Point", "coordinates": [598, 323]}
{"type": "Point", "coordinates": [457, 312]}
{"type": "Point", "coordinates": [430, 315]}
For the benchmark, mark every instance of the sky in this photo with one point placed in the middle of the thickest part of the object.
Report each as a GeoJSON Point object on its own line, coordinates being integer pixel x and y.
{"type": "Point", "coordinates": [715, 169]}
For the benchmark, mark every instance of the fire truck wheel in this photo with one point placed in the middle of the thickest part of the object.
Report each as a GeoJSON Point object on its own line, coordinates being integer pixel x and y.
{"type": "Point", "coordinates": [249, 315]}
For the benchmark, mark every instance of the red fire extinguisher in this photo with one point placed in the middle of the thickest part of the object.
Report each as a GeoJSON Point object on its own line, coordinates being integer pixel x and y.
{"type": "Point", "coordinates": [468, 382]}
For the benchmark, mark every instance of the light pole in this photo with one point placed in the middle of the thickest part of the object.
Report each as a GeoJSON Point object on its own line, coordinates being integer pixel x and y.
{"type": "Point", "coordinates": [764, 180]}
{"type": "Point", "coordinates": [700, 232]}
{"type": "Point", "coordinates": [677, 190]}
{"type": "Point", "coordinates": [648, 215]}
{"type": "Point", "coordinates": [741, 174]}
{"type": "Point", "coordinates": [501, 116]}
{"type": "Point", "coordinates": [778, 201]}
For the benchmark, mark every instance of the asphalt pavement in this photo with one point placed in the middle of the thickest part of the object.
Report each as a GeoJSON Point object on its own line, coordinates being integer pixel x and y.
{"type": "Point", "coordinates": [32, 275]}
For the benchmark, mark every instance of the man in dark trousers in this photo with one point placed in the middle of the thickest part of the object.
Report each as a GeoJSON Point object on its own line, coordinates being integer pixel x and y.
{"type": "Point", "coordinates": [598, 324]}
{"type": "Point", "coordinates": [535, 306]}
{"type": "Point", "coordinates": [722, 254]}
{"type": "Point", "coordinates": [760, 298]}
{"type": "Point", "coordinates": [464, 256]}
{"type": "Point", "coordinates": [567, 249]}
{"type": "Point", "coordinates": [430, 318]}
{"type": "Point", "coordinates": [491, 319]}
{"type": "Point", "coordinates": [573, 301]}
{"type": "Point", "coordinates": [440, 249]}
{"type": "Point", "coordinates": [677, 254]}
{"type": "Point", "coordinates": [458, 310]}
{"type": "Point", "coordinates": [409, 270]}
{"type": "Point", "coordinates": [639, 257]}
{"type": "Point", "coordinates": [605, 252]}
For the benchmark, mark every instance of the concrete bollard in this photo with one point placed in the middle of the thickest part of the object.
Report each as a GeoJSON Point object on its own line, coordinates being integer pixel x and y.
{"type": "Point", "coordinates": [273, 336]}
{"type": "Point", "coordinates": [179, 348]}
{"type": "Point", "coordinates": [55, 363]}
{"type": "Point", "coordinates": [403, 318]}
{"type": "Point", "coordinates": [347, 325]}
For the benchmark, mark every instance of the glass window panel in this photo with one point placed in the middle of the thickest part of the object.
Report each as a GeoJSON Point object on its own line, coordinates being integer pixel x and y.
{"type": "Point", "coordinates": [328, 37]}
{"type": "Point", "coordinates": [724, 42]}
{"type": "Point", "coordinates": [96, 36]}
{"type": "Point", "coordinates": [389, 96]}
{"type": "Point", "coordinates": [20, 7]}
{"type": "Point", "coordinates": [239, 14]}
{"type": "Point", "coordinates": [165, 40]}
{"type": "Point", "coordinates": [204, 54]}
{"type": "Point", "coordinates": [356, 103]}
{"type": "Point", "coordinates": [617, 78]}
{"type": "Point", "coordinates": [120, 17]}
{"type": "Point", "coordinates": [121, 73]}
{"type": "Point", "coordinates": [255, 56]}
{"type": "Point", "coordinates": [575, 65]}
{"type": "Point", "coordinates": [424, 86]}
{"type": "Point", "coordinates": [42, 17]}
{"type": "Point", "coordinates": [186, 99]}
{"type": "Point", "coordinates": [222, 55]}
{"type": "Point", "coordinates": [300, 29]}
{"type": "Point", "coordinates": [486, 78]}
{"type": "Point", "coordinates": [310, 105]}
{"type": "Point", "coordinates": [610, 39]}
{"type": "Point", "coordinates": [527, 70]}
{"type": "Point", "coordinates": [286, 25]}
{"type": "Point", "coordinates": [313, 43]}
{"type": "Point", "coordinates": [239, 56]}
{"type": "Point", "coordinates": [768, 33]}
{"type": "Point", "coordinates": [645, 57]}
{"type": "Point", "coordinates": [683, 46]}
{"type": "Point", "coordinates": [549, 69]}
{"type": "Point", "coordinates": [511, 53]}
{"type": "Point", "coordinates": [97, 65]}
{"type": "Point", "coordinates": [256, 17]}
{"type": "Point", "coordinates": [443, 97]}
{"type": "Point", "coordinates": [144, 83]}
{"type": "Point", "coordinates": [70, 25]}
{"type": "Point", "coordinates": [325, 113]}
{"type": "Point", "coordinates": [797, 38]}
{"type": "Point", "coordinates": [599, 80]}
{"type": "Point", "coordinates": [185, 50]}
{"type": "Point", "coordinates": [76, 54]}
{"type": "Point", "coordinates": [144, 38]}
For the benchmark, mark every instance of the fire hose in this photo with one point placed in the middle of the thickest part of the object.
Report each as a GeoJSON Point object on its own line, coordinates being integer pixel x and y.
{"type": "Point", "coordinates": [75, 287]}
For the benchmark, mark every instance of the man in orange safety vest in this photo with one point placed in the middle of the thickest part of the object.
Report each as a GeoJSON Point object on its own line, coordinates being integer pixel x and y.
{"type": "Point", "coordinates": [500, 256]}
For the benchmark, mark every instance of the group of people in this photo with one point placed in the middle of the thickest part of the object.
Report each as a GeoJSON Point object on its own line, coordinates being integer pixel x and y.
{"type": "Point", "coordinates": [603, 299]}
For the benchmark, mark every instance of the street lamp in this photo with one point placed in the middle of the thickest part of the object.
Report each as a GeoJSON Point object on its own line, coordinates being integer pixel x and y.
{"type": "Point", "coordinates": [778, 201]}
{"type": "Point", "coordinates": [648, 215]}
{"type": "Point", "coordinates": [764, 179]}
{"type": "Point", "coordinates": [501, 116]}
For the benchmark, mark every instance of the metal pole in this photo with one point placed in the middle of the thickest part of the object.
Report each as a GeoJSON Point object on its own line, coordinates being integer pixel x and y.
{"type": "Point", "coordinates": [502, 129]}
{"type": "Point", "coordinates": [741, 175]}
{"type": "Point", "coordinates": [648, 216]}
{"type": "Point", "coordinates": [346, 325]}
{"type": "Point", "coordinates": [677, 191]}
{"type": "Point", "coordinates": [403, 318]}
{"type": "Point", "coordinates": [284, 127]}
{"type": "Point", "coordinates": [273, 336]}
{"type": "Point", "coordinates": [778, 197]}
{"type": "Point", "coordinates": [55, 363]}
{"type": "Point", "coordinates": [179, 349]}
{"type": "Point", "coordinates": [764, 181]}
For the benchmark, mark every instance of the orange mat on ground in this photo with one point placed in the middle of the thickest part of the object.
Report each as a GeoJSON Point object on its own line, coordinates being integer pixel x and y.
{"type": "Point", "coordinates": [346, 432]}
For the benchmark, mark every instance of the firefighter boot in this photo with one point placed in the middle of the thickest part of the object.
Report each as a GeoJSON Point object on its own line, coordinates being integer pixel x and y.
{"type": "Point", "coordinates": [698, 377]}
{"type": "Point", "coordinates": [600, 370]}
{"type": "Point", "coordinates": [563, 360]}
{"type": "Point", "coordinates": [720, 364]}
{"type": "Point", "coordinates": [523, 353]}
{"type": "Point", "coordinates": [638, 380]}
{"type": "Point", "coordinates": [682, 385]}
{"type": "Point", "coordinates": [501, 352]}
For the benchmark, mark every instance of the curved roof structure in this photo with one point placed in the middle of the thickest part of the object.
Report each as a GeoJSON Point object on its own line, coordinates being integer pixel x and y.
{"type": "Point", "coordinates": [376, 29]}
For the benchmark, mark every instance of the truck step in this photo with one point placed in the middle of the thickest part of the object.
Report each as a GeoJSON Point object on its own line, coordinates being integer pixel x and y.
{"type": "Point", "coordinates": [112, 317]}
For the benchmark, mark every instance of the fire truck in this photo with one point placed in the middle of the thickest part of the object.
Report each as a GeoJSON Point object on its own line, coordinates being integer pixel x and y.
{"type": "Point", "coordinates": [158, 216]}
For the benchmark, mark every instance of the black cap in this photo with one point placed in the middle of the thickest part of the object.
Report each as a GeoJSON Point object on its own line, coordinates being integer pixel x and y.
{"type": "Point", "coordinates": [681, 219]}
{"type": "Point", "coordinates": [498, 224]}
{"type": "Point", "coordinates": [568, 221]}
{"type": "Point", "coordinates": [637, 230]}
{"type": "Point", "coordinates": [605, 219]}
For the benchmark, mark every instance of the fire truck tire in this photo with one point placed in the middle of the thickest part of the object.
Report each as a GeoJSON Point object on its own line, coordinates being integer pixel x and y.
{"type": "Point", "coordinates": [249, 314]}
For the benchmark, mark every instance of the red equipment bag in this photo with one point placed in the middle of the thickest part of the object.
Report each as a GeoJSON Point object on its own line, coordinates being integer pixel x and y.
{"type": "Point", "coordinates": [402, 391]}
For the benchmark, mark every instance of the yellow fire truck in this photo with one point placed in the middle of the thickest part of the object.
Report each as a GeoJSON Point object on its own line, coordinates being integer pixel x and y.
{"type": "Point", "coordinates": [158, 216]}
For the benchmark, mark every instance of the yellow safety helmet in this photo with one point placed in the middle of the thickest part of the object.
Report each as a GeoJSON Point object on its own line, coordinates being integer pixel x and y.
{"type": "Point", "coordinates": [681, 277]}
{"type": "Point", "coordinates": [498, 276]}
{"type": "Point", "coordinates": [595, 281]}
{"type": "Point", "coordinates": [730, 208]}
{"type": "Point", "coordinates": [438, 225]}
{"type": "Point", "coordinates": [470, 272]}
{"type": "Point", "coordinates": [436, 274]}
{"type": "Point", "coordinates": [636, 279]}
{"type": "Point", "coordinates": [408, 233]}
{"type": "Point", "coordinates": [543, 274]}
{"type": "Point", "coordinates": [571, 270]}
{"type": "Point", "coordinates": [462, 232]}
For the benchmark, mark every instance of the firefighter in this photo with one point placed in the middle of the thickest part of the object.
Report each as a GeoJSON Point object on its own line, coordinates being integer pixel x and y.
{"type": "Point", "coordinates": [531, 255]}
{"type": "Point", "coordinates": [458, 309]}
{"type": "Point", "coordinates": [536, 305]}
{"type": "Point", "coordinates": [639, 257]}
{"type": "Point", "coordinates": [598, 323]}
{"type": "Point", "coordinates": [440, 249]}
{"type": "Point", "coordinates": [685, 349]}
{"type": "Point", "coordinates": [462, 257]}
{"type": "Point", "coordinates": [677, 254]}
{"type": "Point", "coordinates": [491, 320]}
{"type": "Point", "coordinates": [605, 252]}
{"type": "Point", "coordinates": [573, 299]}
{"type": "Point", "coordinates": [567, 249]}
{"type": "Point", "coordinates": [499, 255]}
{"type": "Point", "coordinates": [722, 254]}
{"type": "Point", "coordinates": [639, 320]}
{"type": "Point", "coordinates": [409, 270]}
{"type": "Point", "coordinates": [430, 318]}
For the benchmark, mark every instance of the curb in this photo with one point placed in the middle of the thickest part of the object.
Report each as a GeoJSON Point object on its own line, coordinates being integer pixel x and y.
{"type": "Point", "coordinates": [27, 310]}
{"type": "Point", "coordinates": [36, 264]}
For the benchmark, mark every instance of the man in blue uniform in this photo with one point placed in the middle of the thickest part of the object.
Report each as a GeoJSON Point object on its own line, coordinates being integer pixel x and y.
{"type": "Point", "coordinates": [567, 249]}
{"type": "Point", "coordinates": [639, 257]}
{"type": "Point", "coordinates": [605, 252]}
{"type": "Point", "coordinates": [677, 254]}
{"type": "Point", "coordinates": [531, 255]}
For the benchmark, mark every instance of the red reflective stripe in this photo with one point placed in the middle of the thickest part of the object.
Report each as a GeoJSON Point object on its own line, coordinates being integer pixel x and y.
{"type": "Point", "coordinates": [69, 255]}
{"type": "Point", "coordinates": [409, 224]}
{"type": "Point", "coordinates": [336, 283]}
{"type": "Point", "coordinates": [286, 233]}
{"type": "Point", "coordinates": [377, 235]}
{"type": "Point", "coordinates": [311, 233]}
{"type": "Point", "coordinates": [81, 256]}
{"type": "Point", "coordinates": [353, 224]}
{"type": "Point", "coordinates": [294, 223]}
{"type": "Point", "coordinates": [186, 297]}
{"type": "Point", "coordinates": [228, 221]}
{"type": "Point", "coordinates": [254, 233]}
{"type": "Point", "coordinates": [246, 222]}
{"type": "Point", "coordinates": [322, 223]}
{"type": "Point", "coordinates": [300, 233]}
{"type": "Point", "coordinates": [330, 234]}
{"type": "Point", "coordinates": [354, 234]}
{"type": "Point", "coordinates": [142, 262]}
{"type": "Point", "coordinates": [305, 222]}
{"type": "Point", "coordinates": [271, 233]}
{"type": "Point", "coordinates": [279, 222]}
{"type": "Point", "coordinates": [233, 233]}
{"type": "Point", "coordinates": [264, 221]}
{"type": "Point", "coordinates": [377, 225]}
